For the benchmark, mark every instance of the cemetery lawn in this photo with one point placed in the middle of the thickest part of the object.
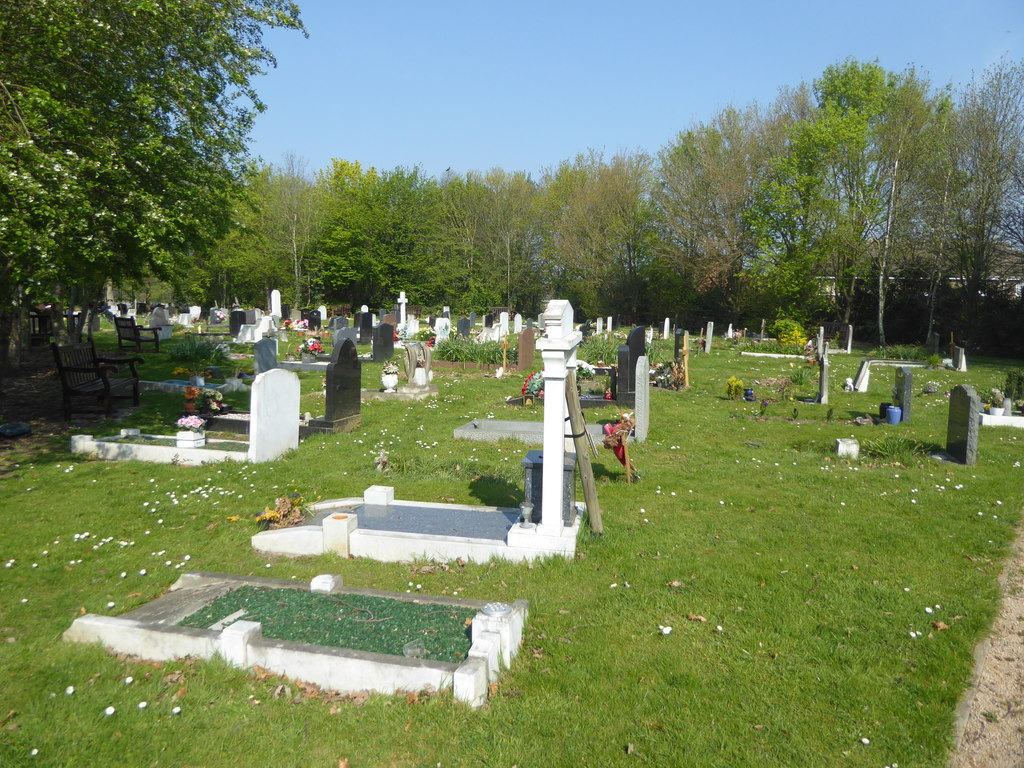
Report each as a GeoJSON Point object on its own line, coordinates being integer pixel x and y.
{"type": "Point", "coordinates": [823, 612]}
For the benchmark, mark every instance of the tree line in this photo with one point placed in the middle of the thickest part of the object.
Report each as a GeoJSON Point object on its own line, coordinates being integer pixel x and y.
{"type": "Point", "coordinates": [866, 196]}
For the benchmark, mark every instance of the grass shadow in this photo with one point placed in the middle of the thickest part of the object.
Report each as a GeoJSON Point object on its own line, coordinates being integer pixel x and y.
{"type": "Point", "coordinates": [495, 491]}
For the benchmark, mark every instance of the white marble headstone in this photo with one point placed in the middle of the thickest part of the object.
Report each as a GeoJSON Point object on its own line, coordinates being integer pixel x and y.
{"type": "Point", "coordinates": [274, 415]}
{"type": "Point", "coordinates": [275, 302]}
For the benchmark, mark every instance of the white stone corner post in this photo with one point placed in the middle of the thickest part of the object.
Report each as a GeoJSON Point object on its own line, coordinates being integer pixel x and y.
{"type": "Point", "coordinates": [558, 350]}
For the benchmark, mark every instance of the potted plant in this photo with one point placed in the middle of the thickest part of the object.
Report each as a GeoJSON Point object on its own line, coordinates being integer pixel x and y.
{"type": "Point", "coordinates": [211, 401]}
{"type": "Point", "coordinates": [996, 401]}
{"type": "Point", "coordinates": [191, 433]}
{"type": "Point", "coordinates": [389, 376]}
{"type": "Point", "coordinates": [310, 348]}
{"type": "Point", "coordinates": [191, 394]}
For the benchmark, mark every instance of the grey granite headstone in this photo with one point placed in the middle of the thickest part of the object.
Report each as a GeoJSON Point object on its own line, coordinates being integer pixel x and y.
{"type": "Point", "coordinates": [642, 406]}
{"type": "Point", "coordinates": [265, 358]}
{"type": "Point", "coordinates": [823, 366]}
{"type": "Point", "coordinates": [637, 344]}
{"type": "Point", "coordinates": [678, 354]}
{"type": "Point", "coordinates": [342, 334]}
{"type": "Point", "coordinates": [383, 342]}
{"type": "Point", "coordinates": [463, 327]}
{"type": "Point", "coordinates": [904, 391]}
{"type": "Point", "coordinates": [962, 427]}
{"type": "Point", "coordinates": [709, 337]}
{"type": "Point", "coordinates": [849, 338]}
{"type": "Point", "coordinates": [622, 390]}
{"type": "Point", "coordinates": [344, 384]}
{"type": "Point", "coordinates": [472, 320]}
{"type": "Point", "coordinates": [529, 323]}
{"type": "Point", "coordinates": [338, 322]}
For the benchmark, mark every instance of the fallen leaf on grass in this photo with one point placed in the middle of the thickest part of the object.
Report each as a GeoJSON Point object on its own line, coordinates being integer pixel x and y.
{"type": "Point", "coordinates": [180, 693]}
{"type": "Point", "coordinates": [412, 698]}
{"type": "Point", "coordinates": [492, 689]}
{"type": "Point", "coordinates": [695, 617]}
{"type": "Point", "coordinates": [940, 625]}
{"type": "Point", "coordinates": [675, 584]}
{"type": "Point", "coordinates": [343, 762]}
{"type": "Point", "coordinates": [173, 677]}
{"type": "Point", "coordinates": [758, 727]}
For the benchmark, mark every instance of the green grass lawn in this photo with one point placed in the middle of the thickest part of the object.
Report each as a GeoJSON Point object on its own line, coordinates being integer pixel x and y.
{"type": "Point", "coordinates": [800, 589]}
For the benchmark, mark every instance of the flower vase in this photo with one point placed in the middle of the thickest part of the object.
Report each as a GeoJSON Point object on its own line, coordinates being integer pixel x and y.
{"type": "Point", "coordinates": [190, 439]}
{"type": "Point", "coordinates": [198, 381]}
{"type": "Point", "coordinates": [190, 407]}
{"type": "Point", "coordinates": [389, 381]}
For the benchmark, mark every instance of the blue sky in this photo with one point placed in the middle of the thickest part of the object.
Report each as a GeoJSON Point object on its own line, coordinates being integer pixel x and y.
{"type": "Point", "coordinates": [525, 85]}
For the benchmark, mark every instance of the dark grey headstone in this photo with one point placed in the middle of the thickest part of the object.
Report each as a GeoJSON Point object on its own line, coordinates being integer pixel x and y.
{"type": "Point", "coordinates": [904, 390]}
{"type": "Point", "coordinates": [344, 384]}
{"type": "Point", "coordinates": [488, 320]}
{"type": "Point", "coordinates": [678, 356]}
{"type": "Point", "coordinates": [529, 323]}
{"type": "Point", "coordinates": [265, 355]}
{"type": "Point", "coordinates": [527, 347]}
{"type": "Point", "coordinates": [250, 317]}
{"type": "Point", "coordinates": [390, 319]}
{"type": "Point", "coordinates": [624, 381]}
{"type": "Point", "coordinates": [338, 322]}
{"type": "Point", "coordinates": [312, 316]}
{"type": "Point", "coordinates": [15, 429]}
{"type": "Point", "coordinates": [534, 485]}
{"type": "Point", "coordinates": [637, 343]}
{"type": "Point", "coordinates": [286, 311]}
{"type": "Point", "coordinates": [365, 328]}
{"type": "Point", "coordinates": [383, 342]}
{"type": "Point", "coordinates": [472, 320]}
{"type": "Point", "coordinates": [587, 329]}
{"type": "Point", "coordinates": [962, 427]}
{"type": "Point", "coordinates": [462, 327]}
{"type": "Point", "coordinates": [345, 333]}
{"type": "Point", "coordinates": [236, 321]}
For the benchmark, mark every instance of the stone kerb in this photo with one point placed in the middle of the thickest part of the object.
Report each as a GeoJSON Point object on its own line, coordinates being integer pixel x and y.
{"type": "Point", "coordinates": [274, 419]}
{"type": "Point", "coordinates": [558, 351]}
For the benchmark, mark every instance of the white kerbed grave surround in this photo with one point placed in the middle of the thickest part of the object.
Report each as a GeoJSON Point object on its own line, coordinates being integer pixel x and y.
{"type": "Point", "coordinates": [863, 378]}
{"type": "Point", "coordinates": [150, 633]}
{"type": "Point", "coordinates": [109, 449]}
{"type": "Point", "coordinates": [992, 420]}
{"type": "Point", "coordinates": [335, 529]}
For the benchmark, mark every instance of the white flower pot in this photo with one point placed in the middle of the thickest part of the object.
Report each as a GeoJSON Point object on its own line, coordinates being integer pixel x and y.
{"type": "Point", "coordinates": [389, 381]}
{"type": "Point", "coordinates": [189, 439]}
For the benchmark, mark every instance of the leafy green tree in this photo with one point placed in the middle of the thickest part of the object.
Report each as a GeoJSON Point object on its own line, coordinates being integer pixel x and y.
{"type": "Point", "coordinates": [122, 134]}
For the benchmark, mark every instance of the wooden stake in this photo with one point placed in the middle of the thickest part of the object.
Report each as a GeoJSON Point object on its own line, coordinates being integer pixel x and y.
{"type": "Point", "coordinates": [581, 439]}
{"type": "Point", "coordinates": [686, 360]}
{"type": "Point", "coordinates": [629, 464]}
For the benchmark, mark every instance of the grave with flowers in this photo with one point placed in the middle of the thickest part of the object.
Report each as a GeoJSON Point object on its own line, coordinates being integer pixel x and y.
{"type": "Point", "coordinates": [273, 428]}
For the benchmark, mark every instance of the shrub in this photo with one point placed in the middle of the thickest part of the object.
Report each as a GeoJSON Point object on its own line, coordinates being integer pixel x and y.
{"type": "Point", "coordinates": [466, 351]}
{"type": "Point", "coordinates": [196, 352]}
{"type": "Point", "coordinates": [1014, 387]}
{"type": "Point", "coordinates": [597, 350]}
{"type": "Point", "coordinates": [895, 449]}
{"type": "Point", "coordinates": [902, 352]}
{"type": "Point", "coordinates": [788, 332]}
{"type": "Point", "coordinates": [734, 388]}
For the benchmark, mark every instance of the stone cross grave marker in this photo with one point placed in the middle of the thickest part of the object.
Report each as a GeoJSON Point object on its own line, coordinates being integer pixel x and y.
{"type": "Point", "coordinates": [904, 391]}
{"type": "Point", "coordinates": [383, 342]}
{"type": "Point", "coordinates": [265, 355]}
{"type": "Point", "coordinates": [402, 301]}
{"type": "Point", "coordinates": [642, 408]}
{"type": "Point", "coordinates": [344, 385]}
{"type": "Point", "coordinates": [962, 426]}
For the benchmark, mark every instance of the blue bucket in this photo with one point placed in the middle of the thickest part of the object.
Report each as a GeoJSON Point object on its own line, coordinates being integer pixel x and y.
{"type": "Point", "coordinates": [893, 414]}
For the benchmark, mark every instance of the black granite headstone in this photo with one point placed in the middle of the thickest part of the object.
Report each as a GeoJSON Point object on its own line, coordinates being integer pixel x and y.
{"type": "Point", "coordinates": [286, 311]}
{"type": "Point", "coordinates": [383, 342]}
{"type": "Point", "coordinates": [345, 333]}
{"type": "Point", "coordinates": [312, 317]}
{"type": "Point", "coordinates": [678, 355]}
{"type": "Point", "coordinates": [366, 328]}
{"type": "Point", "coordinates": [462, 327]}
{"type": "Point", "coordinates": [236, 321]}
{"type": "Point", "coordinates": [488, 320]}
{"type": "Point", "coordinates": [534, 484]}
{"type": "Point", "coordinates": [637, 343]}
{"type": "Point", "coordinates": [344, 384]}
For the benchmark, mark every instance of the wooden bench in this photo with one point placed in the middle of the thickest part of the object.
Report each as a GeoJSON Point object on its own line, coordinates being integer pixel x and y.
{"type": "Point", "coordinates": [135, 335]}
{"type": "Point", "coordinates": [84, 374]}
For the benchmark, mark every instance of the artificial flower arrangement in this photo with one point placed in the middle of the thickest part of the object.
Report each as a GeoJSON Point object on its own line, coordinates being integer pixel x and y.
{"type": "Point", "coordinates": [191, 393]}
{"type": "Point", "coordinates": [311, 346]}
{"type": "Point", "coordinates": [183, 371]}
{"type": "Point", "coordinates": [584, 370]}
{"type": "Point", "coordinates": [534, 385]}
{"type": "Point", "coordinates": [390, 368]}
{"type": "Point", "coordinates": [300, 324]}
{"type": "Point", "coordinates": [191, 423]}
{"type": "Point", "coordinates": [219, 316]}
{"type": "Point", "coordinates": [212, 400]}
{"type": "Point", "coordinates": [286, 324]}
{"type": "Point", "coordinates": [616, 436]}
